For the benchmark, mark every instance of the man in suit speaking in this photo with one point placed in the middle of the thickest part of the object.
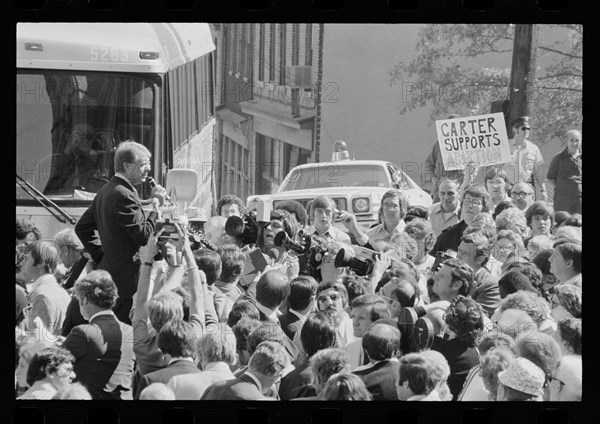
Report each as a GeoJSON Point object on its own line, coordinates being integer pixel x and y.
{"type": "Point", "coordinates": [115, 225]}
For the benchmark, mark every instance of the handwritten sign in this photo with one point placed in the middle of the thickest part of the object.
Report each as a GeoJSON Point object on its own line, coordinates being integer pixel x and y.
{"type": "Point", "coordinates": [479, 140]}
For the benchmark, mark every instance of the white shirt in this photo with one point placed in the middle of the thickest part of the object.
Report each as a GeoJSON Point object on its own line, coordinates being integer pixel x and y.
{"type": "Point", "coordinates": [181, 358]}
{"type": "Point", "coordinates": [379, 233]}
{"type": "Point", "coordinates": [107, 312]}
{"type": "Point", "coordinates": [576, 280]}
{"type": "Point", "coordinates": [193, 386]}
{"type": "Point", "coordinates": [271, 315]}
{"type": "Point", "coordinates": [372, 364]}
{"type": "Point", "coordinates": [253, 377]}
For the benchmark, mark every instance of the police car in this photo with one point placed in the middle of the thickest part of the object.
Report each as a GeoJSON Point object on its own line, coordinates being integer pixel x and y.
{"type": "Point", "coordinates": [355, 185]}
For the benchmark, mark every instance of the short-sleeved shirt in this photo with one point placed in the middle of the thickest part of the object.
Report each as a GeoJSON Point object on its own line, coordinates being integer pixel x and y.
{"type": "Point", "coordinates": [379, 234]}
{"type": "Point", "coordinates": [441, 220]}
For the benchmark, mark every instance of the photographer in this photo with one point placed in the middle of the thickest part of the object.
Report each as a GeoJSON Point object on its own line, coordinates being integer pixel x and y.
{"type": "Point", "coordinates": [278, 257]}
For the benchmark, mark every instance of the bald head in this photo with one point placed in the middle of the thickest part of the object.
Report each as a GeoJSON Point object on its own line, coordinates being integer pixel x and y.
{"type": "Point", "coordinates": [381, 341]}
{"type": "Point", "coordinates": [272, 288]}
{"type": "Point", "coordinates": [569, 372]}
{"type": "Point", "coordinates": [157, 391]}
{"type": "Point", "coordinates": [522, 202]}
{"type": "Point", "coordinates": [436, 317]}
{"type": "Point", "coordinates": [516, 323]}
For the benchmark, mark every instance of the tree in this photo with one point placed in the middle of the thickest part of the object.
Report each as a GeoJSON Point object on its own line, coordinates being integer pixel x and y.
{"type": "Point", "coordinates": [444, 74]}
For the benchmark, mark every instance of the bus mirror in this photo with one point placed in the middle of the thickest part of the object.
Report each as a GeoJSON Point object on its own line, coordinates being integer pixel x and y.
{"type": "Point", "coordinates": [182, 184]}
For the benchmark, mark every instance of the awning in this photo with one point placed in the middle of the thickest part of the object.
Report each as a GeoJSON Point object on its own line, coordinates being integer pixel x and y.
{"type": "Point", "coordinates": [279, 112]}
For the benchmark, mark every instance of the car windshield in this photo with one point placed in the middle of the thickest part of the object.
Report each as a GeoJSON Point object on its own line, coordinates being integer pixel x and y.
{"type": "Point", "coordinates": [69, 124]}
{"type": "Point", "coordinates": [336, 175]}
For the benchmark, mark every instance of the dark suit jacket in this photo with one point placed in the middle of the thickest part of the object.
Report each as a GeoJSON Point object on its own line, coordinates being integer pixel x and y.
{"type": "Point", "coordinates": [449, 238]}
{"type": "Point", "coordinates": [381, 379]}
{"type": "Point", "coordinates": [298, 383]}
{"type": "Point", "coordinates": [164, 375]}
{"type": "Point", "coordinates": [486, 292]}
{"type": "Point", "coordinates": [240, 388]}
{"type": "Point", "coordinates": [461, 357]}
{"type": "Point", "coordinates": [117, 214]}
{"type": "Point", "coordinates": [290, 324]}
{"type": "Point", "coordinates": [104, 359]}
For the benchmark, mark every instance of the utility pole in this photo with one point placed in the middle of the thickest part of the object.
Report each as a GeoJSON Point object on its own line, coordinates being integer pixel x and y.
{"type": "Point", "coordinates": [522, 93]}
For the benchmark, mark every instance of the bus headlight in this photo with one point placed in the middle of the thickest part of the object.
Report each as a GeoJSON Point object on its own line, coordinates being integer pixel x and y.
{"type": "Point", "coordinates": [360, 205]}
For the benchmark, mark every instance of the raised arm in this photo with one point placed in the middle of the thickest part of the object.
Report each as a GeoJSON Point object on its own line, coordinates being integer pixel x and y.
{"type": "Point", "coordinates": [145, 283]}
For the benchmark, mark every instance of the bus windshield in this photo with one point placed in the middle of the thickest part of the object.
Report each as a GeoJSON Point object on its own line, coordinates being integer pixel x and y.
{"type": "Point", "coordinates": [69, 124]}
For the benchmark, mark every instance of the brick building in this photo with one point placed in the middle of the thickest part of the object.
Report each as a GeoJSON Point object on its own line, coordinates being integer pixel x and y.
{"type": "Point", "coordinates": [260, 135]}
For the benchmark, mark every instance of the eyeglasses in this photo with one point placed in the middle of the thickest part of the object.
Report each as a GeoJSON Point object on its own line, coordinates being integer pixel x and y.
{"type": "Point", "coordinates": [474, 202]}
{"type": "Point", "coordinates": [552, 378]}
{"type": "Point", "coordinates": [333, 297]}
{"type": "Point", "coordinates": [520, 194]}
{"type": "Point", "coordinates": [525, 128]}
{"type": "Point", "coordinates": [504, 248]}
{"type": "Point", "coordinates": [391, 205]}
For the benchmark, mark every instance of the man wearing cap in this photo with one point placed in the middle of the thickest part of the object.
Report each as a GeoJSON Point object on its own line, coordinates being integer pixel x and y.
{"type": "Point", "coordinates": [527, 159]}
{"type": "Point", "coordinates": [522, 380]}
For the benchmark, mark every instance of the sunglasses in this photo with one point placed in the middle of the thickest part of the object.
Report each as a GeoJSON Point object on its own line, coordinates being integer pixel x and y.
{"type": "Point", "coordinates": [525, 128]}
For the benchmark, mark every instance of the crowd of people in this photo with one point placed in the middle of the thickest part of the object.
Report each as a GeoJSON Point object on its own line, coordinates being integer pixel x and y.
{"type": "Point", "coordinates": [490, 275]}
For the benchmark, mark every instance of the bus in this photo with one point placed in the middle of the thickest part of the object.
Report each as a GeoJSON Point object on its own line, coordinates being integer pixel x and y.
{"type": "Point", "coordinates": [82, 88]}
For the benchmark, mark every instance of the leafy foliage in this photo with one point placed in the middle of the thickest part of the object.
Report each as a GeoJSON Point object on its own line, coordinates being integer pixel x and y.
{"type": "Point", "coordinates": [443, 74]}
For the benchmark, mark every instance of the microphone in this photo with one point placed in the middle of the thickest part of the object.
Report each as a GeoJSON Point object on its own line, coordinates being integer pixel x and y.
{"type": "Point", "coordinates": [153, 184]}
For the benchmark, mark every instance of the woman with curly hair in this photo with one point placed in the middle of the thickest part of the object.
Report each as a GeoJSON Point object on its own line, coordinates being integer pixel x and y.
{"type": "Point", "coordinates": [493, 362]}
{"type": "Point", "coordinates": [534, 305]}
{"type": "Point", "coordinates": [281, 220]}
{"type": "Point", "coordinates": [566, 302]}
{"type": "Point", "coordinates": [50, 371]}
{"type": "Point", "coordinates": [345, 386]}
{"type": "Point", "coordinates": [507, 242]}
{"type": "Point", "coordinates": [464, 318]}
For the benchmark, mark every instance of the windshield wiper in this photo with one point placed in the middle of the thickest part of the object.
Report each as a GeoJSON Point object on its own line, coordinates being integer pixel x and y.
{"type": "Point", "coordinates": [45, 202]}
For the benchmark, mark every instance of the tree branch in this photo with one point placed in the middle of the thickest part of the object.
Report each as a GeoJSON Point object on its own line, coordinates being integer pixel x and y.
{"type": "Point", "coordinates": [563, 74]}
{"type": "Point", "coordinates": [573, 56]}
{"type": "Point", "coordinates": [578, 90]}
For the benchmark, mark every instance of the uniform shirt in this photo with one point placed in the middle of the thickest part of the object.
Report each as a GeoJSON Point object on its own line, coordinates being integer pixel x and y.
{"type": "Point", "coordinates": [526, 165]}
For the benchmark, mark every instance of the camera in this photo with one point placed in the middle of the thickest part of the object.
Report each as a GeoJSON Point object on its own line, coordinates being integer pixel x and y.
{"type": "Point", "coordinates": [195, 234]}
{"type": "Point", "coordinates": [440, 257]}
{"type": "Point", "coordinates": [244, 229]}
{"type": "Point", "coordinates": [310, 252]}
{"type": "Point", "coordinates": [361, 262]}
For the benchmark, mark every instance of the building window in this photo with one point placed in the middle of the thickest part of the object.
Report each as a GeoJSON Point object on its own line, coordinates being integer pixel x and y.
{"type": "Point", "coordinates": [308, 46]}
{"type": "Point", "coordinates": [272, 54]}
{"type": "Point", "coordinates": [261, 53]}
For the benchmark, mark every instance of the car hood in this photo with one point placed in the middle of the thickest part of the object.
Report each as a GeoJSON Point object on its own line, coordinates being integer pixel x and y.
{"type": "Point", "coordinates": [330, 191]}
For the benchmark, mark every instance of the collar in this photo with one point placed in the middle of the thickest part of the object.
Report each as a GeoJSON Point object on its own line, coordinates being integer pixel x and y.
{"type": "Point", "coordinates": [437, 208]}
{"type": "Point", "coordinates": [124, 178]}
{"type": "Point", "coordinates": [514, 144]}
{"type": "Point", "coordinates": [576, 280]}
{"type": "Point", "coordinates": [255, 378]}
{"type": "Point", "coordinates": [217, 366]}
{"type": "Point", "coordinates": [313, 230]}
{"type": "Point", "coordinates": [107, 312]}
{"type": "Point", "coordinates": [181, 358]}
{"type": "Point", "coordinates": [298, 314]}
{"type": "Point", "coordinates": [372, 364]}
{"type": "Point", "coordinates": [575, 156]}
{"type": "Point", "coordinates": [431, 396]}
{"type": "Point", "coordinates": [39, 281]}
{"type": "Point", "coordinates": [270, 314]}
